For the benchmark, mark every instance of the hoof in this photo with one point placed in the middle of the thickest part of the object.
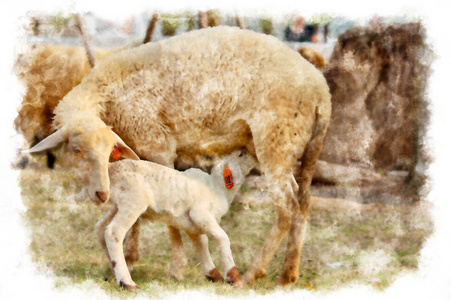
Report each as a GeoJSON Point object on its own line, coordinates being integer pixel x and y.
{"type": "Point", "coordinates": [233, 277]}
{"type": "Point", "coordinates": [214, 276]}
{"type": "Point", "coordinates": [250, 276]}
{"type": "Point", "coordinates": [287, 278]}
{"type": "Point", "coordinates": [128, 287]}
{"type": "Point", "coordinates": [178, 276]}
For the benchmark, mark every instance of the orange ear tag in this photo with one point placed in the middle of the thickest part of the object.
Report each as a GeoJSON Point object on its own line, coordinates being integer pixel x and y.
{"type": "Point", "coordinates": [116, 154]}
{"type": "Point", "coordinates": [228, 179]}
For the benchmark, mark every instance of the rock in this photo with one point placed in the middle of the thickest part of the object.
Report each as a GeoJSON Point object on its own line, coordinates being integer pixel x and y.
{"type": "Point", "coordinates": [335, 174]}
{"type": "Point", "coordinates": [377, 77]}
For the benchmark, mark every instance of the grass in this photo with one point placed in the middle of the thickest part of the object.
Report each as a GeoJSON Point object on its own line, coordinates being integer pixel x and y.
{"type": "Point", "coordinates": [372, 246]}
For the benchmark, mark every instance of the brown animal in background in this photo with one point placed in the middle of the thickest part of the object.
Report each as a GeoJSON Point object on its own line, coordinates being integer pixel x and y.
{"type": "Point", "coordinates": [49, 72]}
{"type": "Point", "coordinates": [313, 56]}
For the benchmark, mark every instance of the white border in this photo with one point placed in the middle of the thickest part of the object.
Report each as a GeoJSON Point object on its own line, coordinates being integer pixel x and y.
{"type": "Point", "coordinates": [18, 278]}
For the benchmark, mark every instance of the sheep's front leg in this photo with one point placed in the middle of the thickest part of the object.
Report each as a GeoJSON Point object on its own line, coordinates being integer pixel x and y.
{"type": "Point", "coordinates": [131, 245]}
{"type": "Point", "coordinates": [207, 265]}
{"type": "Point", "coordinates": [114, 237]}
{"type": "Point", "coordinates": [210, 226]}
{"type": "Point", "coordinates": [178, 263]}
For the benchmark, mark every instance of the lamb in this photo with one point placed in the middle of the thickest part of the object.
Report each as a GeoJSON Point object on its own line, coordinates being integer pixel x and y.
{"type": "Point", "coordinates": [192, 201]}
{"type": "Point", "coordinates": [207, 91]}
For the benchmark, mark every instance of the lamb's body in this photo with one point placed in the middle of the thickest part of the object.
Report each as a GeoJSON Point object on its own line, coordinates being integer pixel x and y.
{"type": "Point", "coordinates": [170, 195]}
{"type": "Point", "coordinates": [208, 91]}
{"type": "Point", "coordinates": [193, 201]}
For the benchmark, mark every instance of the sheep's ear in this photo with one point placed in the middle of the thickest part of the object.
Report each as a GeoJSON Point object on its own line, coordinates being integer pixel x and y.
{"type": "Point", "coordinates": [126, 151]}
{"type": "Point", "coordinates": [51, 141]}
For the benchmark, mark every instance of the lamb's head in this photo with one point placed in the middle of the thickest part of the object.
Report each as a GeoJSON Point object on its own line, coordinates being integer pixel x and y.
{"type": "Point", "coordinates": [239, 163]}
{"type": "Point", "coordinates": [90, 148]}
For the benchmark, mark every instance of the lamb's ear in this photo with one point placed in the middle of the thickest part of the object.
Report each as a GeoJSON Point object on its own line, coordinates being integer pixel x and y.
{"type": "Point", "coordinates": [237, 174]}
{"type": "Point", "coordinates": [51, 141]}
{"type": "Point", "coordinates": [126, 151]}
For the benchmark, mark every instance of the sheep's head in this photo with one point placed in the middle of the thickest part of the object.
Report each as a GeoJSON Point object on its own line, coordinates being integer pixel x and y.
{"type": "Point", "coordinates": [90, 148]}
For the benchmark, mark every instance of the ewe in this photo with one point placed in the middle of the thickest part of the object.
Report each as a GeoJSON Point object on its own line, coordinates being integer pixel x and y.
{"type": "Point", "coordinates": [207, 91]}
{"type": "Point", "coordinates": [192, 201]}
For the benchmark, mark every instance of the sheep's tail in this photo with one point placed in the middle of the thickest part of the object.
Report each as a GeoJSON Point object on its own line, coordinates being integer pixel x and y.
{"type": "Point", "coordinates": [309, 158]}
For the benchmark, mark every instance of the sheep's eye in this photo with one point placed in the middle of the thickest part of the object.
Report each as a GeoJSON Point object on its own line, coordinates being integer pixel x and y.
{"type": "Point", "coordinates": [76, 149]}
{"type": "Point", "coordinates": [241, 154]}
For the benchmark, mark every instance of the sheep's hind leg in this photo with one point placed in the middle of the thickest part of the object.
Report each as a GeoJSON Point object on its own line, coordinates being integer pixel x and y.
{"type": "Point", "coordinates": [207, 265]}
{"type": "Point", "coordinates": [276, 162]}
{"type": "Point", "coordinates": [278, 232]}
{"type": "Point", "coordinates": [114, 237]}
{"type": "Point", "coordinates": [296, 236]}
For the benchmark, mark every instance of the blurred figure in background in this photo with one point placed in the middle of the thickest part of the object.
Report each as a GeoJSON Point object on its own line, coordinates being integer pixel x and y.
{"type": "Point", "coordinates": [300, 32]}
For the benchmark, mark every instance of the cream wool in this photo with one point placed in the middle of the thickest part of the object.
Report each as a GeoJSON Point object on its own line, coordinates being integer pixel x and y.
{"type": "Point", "coordinates": [210, 91]}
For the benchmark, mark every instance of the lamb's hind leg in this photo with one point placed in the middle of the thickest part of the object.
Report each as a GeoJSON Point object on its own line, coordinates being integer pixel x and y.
{"type": "Point", "coordinates": [210, 226]}
{"type": "Point", "coordinates": [207, 265]}
{"type": "Point", "coordinates": [296, 236]}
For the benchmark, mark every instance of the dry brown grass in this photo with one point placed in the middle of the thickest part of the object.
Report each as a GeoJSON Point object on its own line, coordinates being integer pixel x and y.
{"type": "Point", "coordinates": [346, 243]}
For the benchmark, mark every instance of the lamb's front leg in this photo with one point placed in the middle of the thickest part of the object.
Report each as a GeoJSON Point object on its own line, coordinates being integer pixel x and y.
{"type": "Point", "coordinates": [230, 269]}
{"type": "Point", "coordinates": [207, 265]}
{"type": "Point", "coordinates": [114, 237]}
{"type": "Point", "coordinates": [100, 229]}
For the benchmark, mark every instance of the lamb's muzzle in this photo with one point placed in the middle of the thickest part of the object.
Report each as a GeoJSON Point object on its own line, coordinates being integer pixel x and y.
{"type": "Point", "coordinates": [102, 196]}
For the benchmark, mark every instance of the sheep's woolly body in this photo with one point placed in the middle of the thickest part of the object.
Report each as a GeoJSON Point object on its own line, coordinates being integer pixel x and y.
{"type": "Point", "coordinates": [199, 87]}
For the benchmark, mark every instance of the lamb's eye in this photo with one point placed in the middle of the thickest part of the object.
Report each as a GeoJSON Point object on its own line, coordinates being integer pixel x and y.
{"type": "Point", "coordinates": [75, 149]}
